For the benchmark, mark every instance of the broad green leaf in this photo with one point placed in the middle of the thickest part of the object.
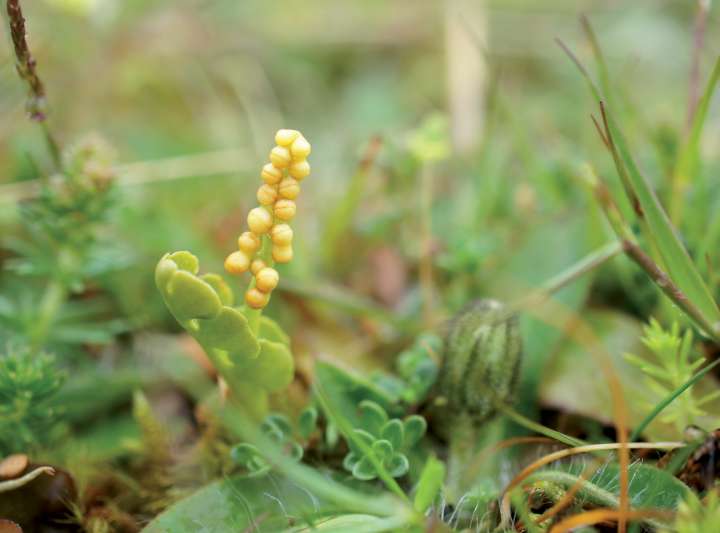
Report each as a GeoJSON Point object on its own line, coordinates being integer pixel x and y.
{"type": "Point", "coordinates": [648, 488]}
{"type": "Point", "coordinates": [189, 297]}
{"type": "Point", "coordinates": [270, 330]}
{"type": "Point", "coordinates": [273, 368]}
{"type": "Point", "coordinates": [241, 504]}
{"type": "Point", "coordinates": [185, 261]}
{"type": "Point", "coordinates": [356, 523]}
{"type": "Point", "coordinates": [222, 289]}
{"type": "Point", "coordinates": [229, 331]}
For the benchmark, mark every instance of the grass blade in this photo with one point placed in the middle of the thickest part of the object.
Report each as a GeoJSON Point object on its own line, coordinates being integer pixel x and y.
{"type": "Point", "coordinates": [654, 220]}
{"type": "Point", "coordinates": [688, 160]}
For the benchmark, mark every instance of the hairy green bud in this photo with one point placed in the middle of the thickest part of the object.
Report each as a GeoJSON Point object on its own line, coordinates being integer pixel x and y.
{"type": "Point", "coordinates": [481, 362]}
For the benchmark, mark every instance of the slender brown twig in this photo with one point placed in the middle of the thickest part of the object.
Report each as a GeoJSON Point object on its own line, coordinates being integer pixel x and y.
{"type": "Point", "coordinates": [36, 104]}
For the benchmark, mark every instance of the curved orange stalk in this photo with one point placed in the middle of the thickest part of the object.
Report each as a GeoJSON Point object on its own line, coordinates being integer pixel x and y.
{"type": "Point", "coordinates": [561, 454]}
{"type": "Point", "coordinates": [589, 518]}
{"type": "Point", "coordinates": [554, 313]}
{"type": "Point", "coordinates": [507, 443]}
{"type": "Point", "coordinates": [569, 495]}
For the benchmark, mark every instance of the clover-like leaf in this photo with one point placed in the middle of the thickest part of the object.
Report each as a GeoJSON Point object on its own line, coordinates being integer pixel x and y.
{"type": "Point", "coordinates": [243, 452]}
{"type": "Point", "coordinates": [350, 460]}
{"type": "Point", "coordinates": [248, 456]}
{"type": "Point", "coordinates": [372, 417]}
{"type": "Point", "coordinates": [362, 436]}
{"type": "Point", "coordinates": [415, 427]}
{"type": "Point", "coordinates": [397, 465]}
{"type": "Point", "coordinates": [364, 470]}
{"type": "Point", "coordinates": [294, 450]}
{"type": "Point", "coordinates": [393, 431]}
{"type": "Point", "coordinates": [382, 449]}
{"type": "Point", "coordinates": [277, 425]}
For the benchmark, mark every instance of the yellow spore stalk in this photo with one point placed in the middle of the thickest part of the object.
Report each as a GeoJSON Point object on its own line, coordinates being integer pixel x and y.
{"type": "Point", "coordinates": [269, 239]}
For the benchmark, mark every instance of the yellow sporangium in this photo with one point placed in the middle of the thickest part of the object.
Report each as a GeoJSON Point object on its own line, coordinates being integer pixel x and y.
{"type": "Point", "coordinates": [270, 237]}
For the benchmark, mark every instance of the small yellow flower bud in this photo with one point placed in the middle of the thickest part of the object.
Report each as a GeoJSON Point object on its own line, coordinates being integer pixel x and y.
{"type": "Point", "coordinates": [267, 279]}
{"type": "Point", "coordinates": [299, 170]}
{"type": "Point", "coordinates": [282, 254]}
{"type": "Point", "coordinates": [289, 188]}
{"type": "Point", "coordinates": [256, 266]}
{"type": "Point", "coordinates": [271, 175]}
{"type": "Point", "coordinates": [280, 156]}
{"type": "Point", "coordinates": [284, 209]}
{"type": "Point", "coordinates": [237, 263]}
{"type": "Point", "coordinates": [286, 137]}
{"type": "Point", "coordinates": [256, 299]}
{"type": "Point", "coordinates": [249, 243]}
{"type": "Point", "coordinates": [267, 194]}
{"type": "Point", "coordinates": [300, 148]}
{"type": "Point", "coordinates": [259, 220]}
{"type": "Point", "coordinates": [282, 235]}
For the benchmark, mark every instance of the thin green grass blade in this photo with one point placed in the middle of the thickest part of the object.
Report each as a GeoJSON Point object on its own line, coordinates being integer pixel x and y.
{"type": "Point", "coordinates": [687, 163]}
{"type": "Point", "coordinates": [654, 220]}
{"type": "Point", "coordinates": [680, 266]}
{"type": "Point", "coordinates": [670, 398]}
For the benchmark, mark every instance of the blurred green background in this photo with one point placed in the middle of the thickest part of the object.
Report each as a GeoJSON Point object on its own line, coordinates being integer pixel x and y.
{"type": "Point", "coordinates": [190, 94]}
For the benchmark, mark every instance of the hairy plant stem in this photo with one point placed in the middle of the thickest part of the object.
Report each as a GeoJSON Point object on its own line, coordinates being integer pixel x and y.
{"type": "Point", "coordinates": [463, 441]}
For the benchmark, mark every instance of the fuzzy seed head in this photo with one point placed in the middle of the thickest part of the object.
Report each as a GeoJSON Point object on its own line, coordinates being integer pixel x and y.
{"type": "Point", "coordinates": [285, 209]}
{"type": "Point", "coordinates": [249, 243]}
{"type": "Point", "coordinates": [256, 299]}
{"type": "Point", "coordinates": [267, 194]}
{"type": "Point", "coordinates": [271, 175]}
{"type": "Point", "coordinates": [299, 170]}
{"type": "Point", "coordinates": [237, 263]}
{"type": "Point", "coordinates": [282, 235]}
{"type": "Point", "coordinates": [280, 156]}
{"type": "Point", "coordinates": [256, 266]}
{"type": "Point", "coordinates": [289, 188]}
{"type": "Point", "coordinates": [267, 279]}
{"type": "Point", "coordinates": [300, 148]}
{"type": "Point", "coordinates": [259, 220]}
{"type": "Point", "coordinates": [286, 137]}
{"type": "Point", "coordinates": [282, 254]}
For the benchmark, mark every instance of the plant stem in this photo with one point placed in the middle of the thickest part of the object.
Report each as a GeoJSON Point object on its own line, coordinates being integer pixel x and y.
{"type": "Point", "coordinates": [253, 315]}
{"type": "Point", "coordinates": [26, 69]}
{"type": "Point", "coordinates": [537, 428]}
{"type": "Point", "coordinates": [670, 398]}
{"type": "Point", "coordinates": [426, 263]}
{"type": "Point", "coordinates": [52, 299]}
